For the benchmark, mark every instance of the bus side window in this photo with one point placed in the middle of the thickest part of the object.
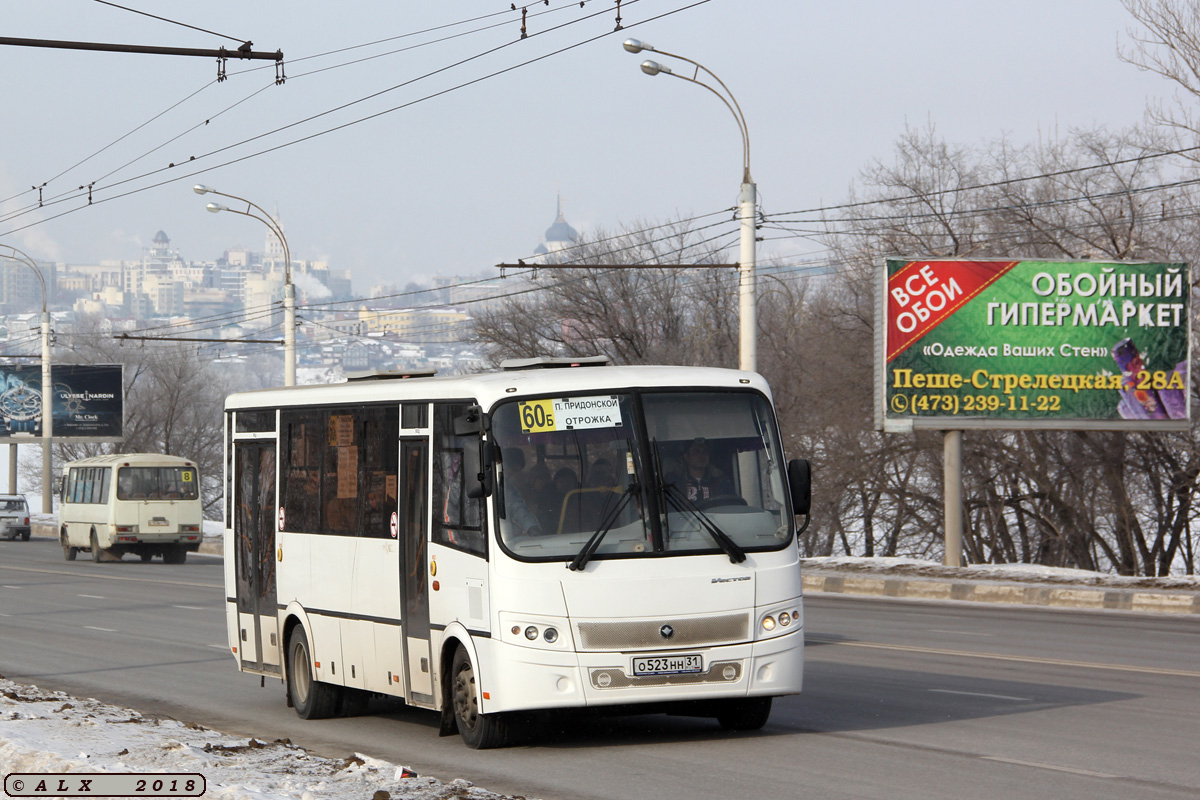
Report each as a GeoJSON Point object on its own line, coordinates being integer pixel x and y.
{"type": "Point", "coordinates": [457, 518]}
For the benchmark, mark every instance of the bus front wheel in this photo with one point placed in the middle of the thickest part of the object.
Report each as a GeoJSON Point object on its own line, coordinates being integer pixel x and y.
{"type": "Point", "coordinates": [478, 731]}
{"type": "Point", "coordinates": [311, 698]}
{"type": "Point", "coordinates": [748, 714]}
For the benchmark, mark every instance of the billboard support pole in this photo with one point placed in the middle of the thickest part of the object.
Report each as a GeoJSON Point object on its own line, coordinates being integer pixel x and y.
{"type": "Point", "coordinates": [12, 469]}
{"type": "Point", "coordinates": [952, 471]}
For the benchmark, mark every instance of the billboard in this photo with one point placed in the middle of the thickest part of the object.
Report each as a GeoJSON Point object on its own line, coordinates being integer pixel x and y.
{"type": "Point", "coordinates": [87, 401]}
{"type": "Point", "coordinates": [1032, 344]}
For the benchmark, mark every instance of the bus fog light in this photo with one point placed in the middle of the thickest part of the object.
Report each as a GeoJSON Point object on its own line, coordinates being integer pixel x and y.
{"type": "Point", "coordinates": [531, 633]}
{"type": "Point", "coordinates": [768, 623]}
{"type": "Point", "coordinates": [551, 635]}
{"type": "Point", "coordinates": [729, 673]}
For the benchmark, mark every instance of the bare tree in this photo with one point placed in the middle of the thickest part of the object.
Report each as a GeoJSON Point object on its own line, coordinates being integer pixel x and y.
{"type": "Point", "coordinates": [173, 398]}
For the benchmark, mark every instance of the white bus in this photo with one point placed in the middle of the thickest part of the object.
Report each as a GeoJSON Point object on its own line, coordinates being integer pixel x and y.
{"type": "Point", "coordinates": [130, 503]}
{"type": "Point", "coordinates": [398, 537]}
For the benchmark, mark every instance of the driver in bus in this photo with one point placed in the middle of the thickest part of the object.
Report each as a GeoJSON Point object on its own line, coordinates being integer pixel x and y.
{"type": "Point", "coordinates": [700, 479]}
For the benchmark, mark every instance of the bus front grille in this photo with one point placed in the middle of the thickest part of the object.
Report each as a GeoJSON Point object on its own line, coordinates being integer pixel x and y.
{"type": "Point", "coordinates": [648, 634]}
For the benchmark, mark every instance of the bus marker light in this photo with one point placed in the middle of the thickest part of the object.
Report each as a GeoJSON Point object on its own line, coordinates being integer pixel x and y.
{"type": "Point", "coordinates": [487, 695]}
{"type": "Point", "coordinates": [516, 630]}
{"type": "Point", "coordinates": [436, 585]}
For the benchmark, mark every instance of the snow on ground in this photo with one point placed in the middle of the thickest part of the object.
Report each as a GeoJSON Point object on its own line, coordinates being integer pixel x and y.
{"type": "Point", "coordinates": [51, 732]}
{"type": "Point", "coordinates": [1023, 573]}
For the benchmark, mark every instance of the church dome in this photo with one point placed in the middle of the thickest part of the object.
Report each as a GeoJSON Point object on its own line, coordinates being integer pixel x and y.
{"type": "Point", "coordinates": [560, 231]}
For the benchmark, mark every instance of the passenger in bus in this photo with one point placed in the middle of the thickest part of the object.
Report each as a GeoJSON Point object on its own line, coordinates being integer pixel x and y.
{"type": "Point", "coordinates": [699, 479]}
{"type": "Point", "coordinates": [542, 497]}
{"type": "Point", "coordinates": [601, 493]}
{"type": "Point", "coordinates": [569, 514]}
{"type": "Point", "coordinates": [517, 511]}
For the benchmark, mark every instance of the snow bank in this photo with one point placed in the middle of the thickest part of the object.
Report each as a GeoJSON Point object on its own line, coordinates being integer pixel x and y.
{"type": "Point", "coordinates": [48, 732]}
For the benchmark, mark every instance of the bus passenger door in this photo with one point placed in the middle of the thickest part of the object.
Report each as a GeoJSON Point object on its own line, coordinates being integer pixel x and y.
{"type": "Point", "coordinates": [254, 556]}
{"type": "Point", "coordinates": [414, 554]}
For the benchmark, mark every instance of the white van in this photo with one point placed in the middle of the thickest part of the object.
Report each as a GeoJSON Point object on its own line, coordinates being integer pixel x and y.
{"type": "Point", "coordinates": [130, 503]}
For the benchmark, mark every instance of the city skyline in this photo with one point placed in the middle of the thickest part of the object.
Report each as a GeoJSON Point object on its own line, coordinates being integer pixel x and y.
{"type": "Point", "coordinates": [440, 143]}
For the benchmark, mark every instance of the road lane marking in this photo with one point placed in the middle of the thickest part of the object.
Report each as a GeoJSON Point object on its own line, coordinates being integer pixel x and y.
{"type": "Point", "coordinates": [984, 694]}
{"type": "Point", "coordinates": [1179, 673]}
{"type": "Point", "coordinates": [74, 573]}
{"type": "Point", "coordinates": [964, 633]}
{"type": "Point", "coordinates": [190, 608]}
{"type": "Point", "coordinates": [105, 630]}
{"type": "Point", "coordinates": [92, 596]}
{"type": "Point", "coordinates": [1055, 767]}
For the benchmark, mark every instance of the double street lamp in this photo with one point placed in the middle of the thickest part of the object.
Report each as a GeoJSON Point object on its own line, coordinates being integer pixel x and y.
{"type": "Point", "coordinates": [748, 198]}
{"type": "Point", "coordinates": [47, 387]}
{"type": "Point", "coordinates": [289, 289]}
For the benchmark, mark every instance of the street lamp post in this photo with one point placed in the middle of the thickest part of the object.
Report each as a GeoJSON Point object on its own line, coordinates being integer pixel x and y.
{"type": "Point", "coordinates": [747, 200]}
{"type": "Point", "coordinates": [289, 289]}
{"type": "Point", "coordinates": [47, 387]}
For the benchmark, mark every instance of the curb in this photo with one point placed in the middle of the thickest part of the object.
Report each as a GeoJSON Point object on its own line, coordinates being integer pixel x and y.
{"type": "Point", "coordinates": [1182, 602]}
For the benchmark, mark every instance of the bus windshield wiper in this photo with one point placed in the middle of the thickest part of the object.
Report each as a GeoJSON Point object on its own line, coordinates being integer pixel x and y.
{"type": "Point", "coordinates": [681, 502]}
{"type": "Point", "coordinates": [585, 555]}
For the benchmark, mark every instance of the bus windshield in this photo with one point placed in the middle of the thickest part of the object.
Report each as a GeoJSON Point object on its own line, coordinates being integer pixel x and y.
{"type": "Point", "coordinates": [158, 483]}
{"type": "Point", "coordinates": [639, 475]}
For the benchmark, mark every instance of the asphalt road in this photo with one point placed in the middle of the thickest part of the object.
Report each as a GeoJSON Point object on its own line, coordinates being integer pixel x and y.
{"type": "Point", "coordinates": [902, 699]}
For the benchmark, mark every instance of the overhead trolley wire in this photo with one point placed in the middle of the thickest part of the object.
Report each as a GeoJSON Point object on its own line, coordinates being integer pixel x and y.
{"type": "Point", "coordinates": [327, 131]}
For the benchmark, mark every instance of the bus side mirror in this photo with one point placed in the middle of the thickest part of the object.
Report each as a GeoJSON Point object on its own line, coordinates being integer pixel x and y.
{"type": "Point", "coordinates": [472, 422]}
{"type": "Point", "coordinates": [800, 485]}
{"type": "Point", "coordinates": [477, 455]}
{"type": "Point", "coordinates": [58, 485]}
{"type": "Point", "coordinates": [477, 469]}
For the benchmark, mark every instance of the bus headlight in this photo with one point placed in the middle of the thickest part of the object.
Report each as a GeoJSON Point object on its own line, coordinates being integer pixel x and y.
{"type": "Point", "coordinates": [778, 621]}
{"type": "Point", "coordinates": [530, 630]}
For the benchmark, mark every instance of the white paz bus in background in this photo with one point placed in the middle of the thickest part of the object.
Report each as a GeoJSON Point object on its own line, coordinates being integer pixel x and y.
{"type": "Point", "coordinates": [138, 503]}
{"type": "Point", "coordinates": [540, 537]}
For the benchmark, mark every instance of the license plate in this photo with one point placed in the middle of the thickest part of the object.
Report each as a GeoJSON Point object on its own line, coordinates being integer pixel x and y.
{"type": "Point", "coordinates": [668, 665]}
{"type": "Point", "coordinates": [159, 521]}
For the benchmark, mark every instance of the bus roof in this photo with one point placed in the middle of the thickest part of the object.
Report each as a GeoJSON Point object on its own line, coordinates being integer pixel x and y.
{"type": "Point", "coordinates": [132, 460]}
{"type": "Point", "coordinates": [490, 387]}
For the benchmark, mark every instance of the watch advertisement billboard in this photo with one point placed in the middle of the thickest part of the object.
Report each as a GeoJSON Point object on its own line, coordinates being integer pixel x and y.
{"type": "Point", "coordinates": [1023, 344]}
{"type": "Point", "coordinates": [87, 401]}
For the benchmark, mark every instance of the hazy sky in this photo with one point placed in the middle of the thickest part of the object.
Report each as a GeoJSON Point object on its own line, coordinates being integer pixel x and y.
{"type": "Point", "coordinates": [397, 174]}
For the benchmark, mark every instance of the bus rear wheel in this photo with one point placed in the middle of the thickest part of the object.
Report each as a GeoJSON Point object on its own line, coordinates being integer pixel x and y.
{"type": "Point", "coordinates": [97, 553]}
{"type": "Point", "coordinates": [748, 714]}
{"type": "Point", "coordinates": [69, 552]}
{"type": "Point", "coordinates": [311, 698]}
{"type": "Point", "coordinates": [478, 731]}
